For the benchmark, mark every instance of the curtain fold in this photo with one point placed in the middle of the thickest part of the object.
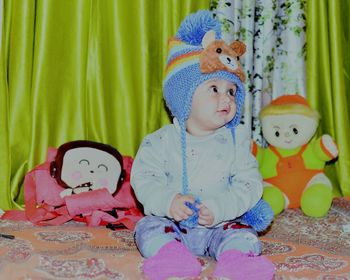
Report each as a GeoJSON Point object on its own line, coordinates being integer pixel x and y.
{"type": "Point", "coordinates": [4, 151]}
{"type": "Point", "coordinates": [82, 69]}
{"type": "Point", "coordinates": [328, 78]}
{"type": "Point", "coordinates": [1, 17]}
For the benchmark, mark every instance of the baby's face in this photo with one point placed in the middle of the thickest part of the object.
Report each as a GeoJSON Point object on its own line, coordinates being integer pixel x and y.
{"type": "Point", "coordinates": [288, 131]}
{"type": "Point", "coordinates": [213, 105]}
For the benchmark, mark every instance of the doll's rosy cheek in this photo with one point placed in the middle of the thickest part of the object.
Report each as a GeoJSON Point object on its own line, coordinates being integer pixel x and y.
{"type": "Point", "coordinates": [76, 175]}
{"type": "Point", "coordinates": [103, 182]}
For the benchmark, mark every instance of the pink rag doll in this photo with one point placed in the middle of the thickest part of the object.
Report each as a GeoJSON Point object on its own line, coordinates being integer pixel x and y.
{"type": "Point", "coordinates": [84, 181]}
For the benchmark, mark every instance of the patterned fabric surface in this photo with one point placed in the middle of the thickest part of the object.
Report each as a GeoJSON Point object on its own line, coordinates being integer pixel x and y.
{"type": "Point", "coordinates": [301, 248]}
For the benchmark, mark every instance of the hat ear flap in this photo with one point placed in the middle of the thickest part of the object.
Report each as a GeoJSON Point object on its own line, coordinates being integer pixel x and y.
{"type": "Point", "coordinates": [238, 47]}
{"type": "Point", "coordinates": [208, 38]}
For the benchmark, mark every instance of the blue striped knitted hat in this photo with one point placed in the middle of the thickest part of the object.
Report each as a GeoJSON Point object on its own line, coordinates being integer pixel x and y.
{"type": "Point", "coordinates": [184, 73]}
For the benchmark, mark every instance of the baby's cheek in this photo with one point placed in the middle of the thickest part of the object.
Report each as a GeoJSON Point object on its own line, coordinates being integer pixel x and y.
{"type": "Point", "coordinates": [76, 175]}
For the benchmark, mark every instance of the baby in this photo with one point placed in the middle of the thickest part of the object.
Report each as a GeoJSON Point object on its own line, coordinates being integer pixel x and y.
{"type": "Point", "coordinates": [197, 175]}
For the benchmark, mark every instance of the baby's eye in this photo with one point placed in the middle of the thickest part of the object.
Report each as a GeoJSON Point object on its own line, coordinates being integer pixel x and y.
{"type": "Point", "coordinates": [295, 131]}
{"type": "Point", "coordinates": [277, 134]}
{"type": "Point", "coordinates": [232, 92]}
{"type": "Point", "coordinates": [213, 89]}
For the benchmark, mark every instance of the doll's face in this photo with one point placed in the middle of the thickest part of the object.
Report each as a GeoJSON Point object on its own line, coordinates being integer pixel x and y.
{"type": "Point", "coordinates": [86, 168]}
{"type": "Point", "coordinates": [288, 131]}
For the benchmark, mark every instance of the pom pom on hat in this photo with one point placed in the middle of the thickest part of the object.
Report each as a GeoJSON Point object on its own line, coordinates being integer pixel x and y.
{"type": "Point", "coordinates": [194, 27]}
{"type": "Point", "coordinates": [259, 217]}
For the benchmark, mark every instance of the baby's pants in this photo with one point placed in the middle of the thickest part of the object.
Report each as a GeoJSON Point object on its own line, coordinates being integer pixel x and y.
{"type": "Point", "coordinates": [154, 232]}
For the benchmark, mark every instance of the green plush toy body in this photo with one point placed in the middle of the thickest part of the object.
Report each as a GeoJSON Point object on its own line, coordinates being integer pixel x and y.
{"type": "Point", "coordinates": [292, 166]}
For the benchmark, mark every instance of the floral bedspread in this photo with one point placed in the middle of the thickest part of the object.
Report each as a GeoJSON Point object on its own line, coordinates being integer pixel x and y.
{"type": "Point", "coordinates": [301, 248]}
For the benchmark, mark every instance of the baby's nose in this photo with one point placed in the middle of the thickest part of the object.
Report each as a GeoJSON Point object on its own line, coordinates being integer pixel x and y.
{"type": "Point", "coordinates": [224, 97]}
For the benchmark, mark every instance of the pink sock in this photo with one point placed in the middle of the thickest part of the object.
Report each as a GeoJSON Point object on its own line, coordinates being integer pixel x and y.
{"type": "Point", "coordinates": [173, 259]}
{"type": "Point", "coordinates": [235, 264]}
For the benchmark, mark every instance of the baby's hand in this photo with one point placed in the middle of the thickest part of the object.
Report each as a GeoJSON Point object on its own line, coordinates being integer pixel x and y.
{"type": "Point", "coordinates": [206, 216]}
{"type": "Point", "coordinates": [178, 210]}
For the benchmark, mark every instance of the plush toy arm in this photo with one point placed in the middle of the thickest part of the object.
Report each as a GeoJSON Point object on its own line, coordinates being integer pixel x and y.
{"type": "Point", "coordinates": [254, 148]}
{"type": "Point", "coordinates": [329, 144]}
{"type": "Point", "coordinates": [257, 151]}
{"type": "Point", "coordinates": [325, 148]}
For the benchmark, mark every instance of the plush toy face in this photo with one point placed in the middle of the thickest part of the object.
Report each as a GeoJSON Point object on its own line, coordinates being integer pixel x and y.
{"type": "Point", "coordinates": [217, 55]}
{"type": "Point", "coordinates": [82, 166]}
{"type": "Point", "coordinates": [288, 131]}
{"type": "Point", "coordinates": [92, 168]}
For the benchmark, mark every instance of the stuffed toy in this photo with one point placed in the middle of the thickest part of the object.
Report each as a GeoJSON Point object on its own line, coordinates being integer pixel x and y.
{"type": "Point", "coordinates": [83, 181]}
{"type": "Point", "coordinates": [83, 166]}
{"type": "Point", "coordinates": [292, 165]}
{"type": "Point", "coordinates": [217, 55]}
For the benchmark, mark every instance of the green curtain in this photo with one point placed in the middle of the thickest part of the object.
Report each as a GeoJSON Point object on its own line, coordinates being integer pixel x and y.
{"type": "Point", "coordinates": [328, 78]}
{"type": "Point", "coordinates": [80, 69]}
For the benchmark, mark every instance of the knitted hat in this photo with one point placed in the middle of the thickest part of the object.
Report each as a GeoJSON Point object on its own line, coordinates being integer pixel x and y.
{"type": "Point", "coordinates": [197, 54]}
{"type": "Point", "coordinates": [187, 65]}
{"type": "Point", "coordinates": [289, 104]}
